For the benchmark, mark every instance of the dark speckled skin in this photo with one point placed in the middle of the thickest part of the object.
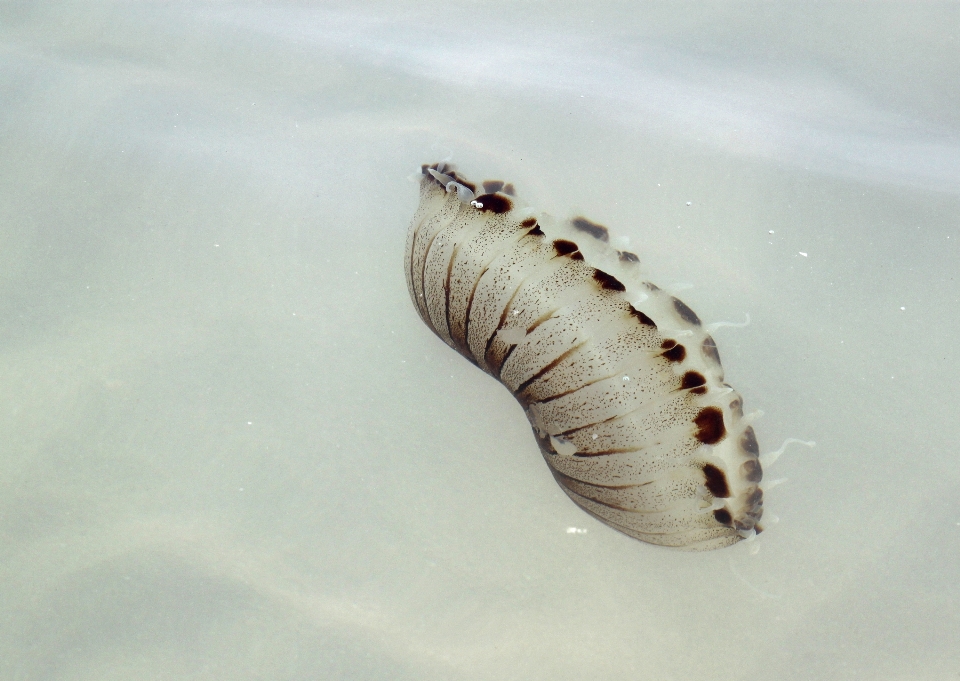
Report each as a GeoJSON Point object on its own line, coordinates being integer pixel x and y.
{"type": "Point", "coordinates": [621, 384]}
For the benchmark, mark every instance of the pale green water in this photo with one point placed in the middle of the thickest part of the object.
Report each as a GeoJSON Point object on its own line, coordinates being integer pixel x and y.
{"type": "Point", "coordinates": [230, 450]}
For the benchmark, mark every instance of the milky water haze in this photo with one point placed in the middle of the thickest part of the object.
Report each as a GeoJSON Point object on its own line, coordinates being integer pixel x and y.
{"type": "Point", "coordinates": [229, 448]}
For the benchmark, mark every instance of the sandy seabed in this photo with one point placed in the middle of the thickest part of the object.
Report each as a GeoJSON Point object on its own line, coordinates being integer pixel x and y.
{"type": "Point", "coordinates": [229, 449]}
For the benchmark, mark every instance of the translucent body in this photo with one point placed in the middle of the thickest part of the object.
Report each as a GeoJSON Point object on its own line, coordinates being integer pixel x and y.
{"type": "Point", "coordinates": [620, 382]}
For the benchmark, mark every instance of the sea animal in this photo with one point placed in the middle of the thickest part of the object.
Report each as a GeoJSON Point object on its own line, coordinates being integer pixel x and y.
{"type": "Point", "coordinates": [620, 380]}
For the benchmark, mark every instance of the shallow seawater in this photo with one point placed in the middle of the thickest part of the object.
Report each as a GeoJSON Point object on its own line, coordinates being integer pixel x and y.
{"type": "Point", "coordinates": [231, 450]}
